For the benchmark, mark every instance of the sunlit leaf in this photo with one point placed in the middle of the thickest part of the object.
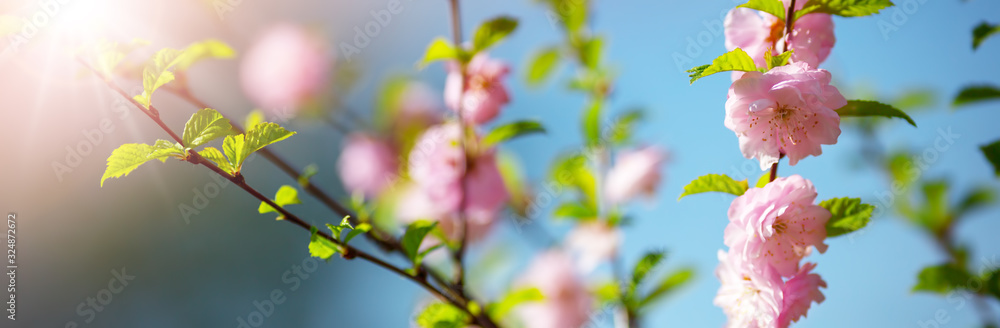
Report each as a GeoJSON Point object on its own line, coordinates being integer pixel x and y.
{"type": "Point", "coordinates": [128, 157]}
{"type": "Point", "coordinates": [773, 7]}
{"type": "Point", "coordinates": [847, 215]}
{"type": "Point", "coordinates": [204, 126]}
{"type": "Point", "coordinates": [872, 108]}
{"type": "Point", "coordinates": [845, 8]}
{"type": "Point", "coordinates": [493, 31]}
{"type": "Point", "coordinates": [715, 182]}
{"type": "Point", "coordinates": [286, 195]}
{"type": "Point", "coordinates": [541, 65]}
{"type": "Point", "coordinates": [941, 278]}
{"type": "Point", "coordinates": [736, 60]}
{"type": "Point", "coordinates": [511, 130]}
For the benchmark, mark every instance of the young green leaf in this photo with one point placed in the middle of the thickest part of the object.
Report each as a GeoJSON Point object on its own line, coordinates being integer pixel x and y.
{"type": "Point", "coordinates": [773, 7]}
{"type": "Point", "coordinates": [286, 195]}
{"type": "Point", "coordinates": [321, 247]}
{"type": "Point", "coordinates": [976, 93]}
{"type": "Point", "coordinates": [360, 229]}
{"type": "Point", "coordinates": [573, 171]}
{"type": "Point", "coordinates": [845, 8]}
{"type": "Point", "coordinates": [204, 50]}
{"type": "Point", "coordinates": [983, 31]}
{"type": "Point", "coordinates": [541, 65]}
{"type": "Point", "coordinates": [574, 210]}
{"type": "Point", "coordinates": [622, 126]}
{"type": "Point", "coordinates": [239, 147]}
{"type": "Point", "coordinates": [779, 60]}
{"type": "Point", "coordinates": [493, 31]}
{"type": "Point", "coordinates": [307, 174]}
{"type": "Point", "coordinates": [503, 307]}
{"type": "Point", "coordinates": [847, 215]}
{"type": "Point", "coordinates": [414, 236]}
{"type": "Point", "coordinates": [442, 315]}
{"type": "Point", "coordinates": [128, 157]}
{"type": "Point", "coordinates": [646, 265]}
{"type": "Point", "coordinates": [667, 284]}
{"type": "Point", "coordinates": [736, 60]}
{"type": "Point", "coordinates": [992, 153]}
{"type": "Point", "coordinates": [439, 49]}
{"type": "Point", "coordinates": [214, 155]}
{"type": "Point", "coordinates": [941, 278]}
{"type": "Point", "coordinates": [204, 126]}
{"type": "Point", "coordinates": [592, 124]}
{"type": "Point", "coordinates": [255, 117]}
{"type": "Point", "coordinates": [157, 73]}
{"type": "Point", "coordinates": [715, 182]}
{"type": "Point", "coordinates": [872, 108]}
{"type": "Point", "coordinates": [511, 130]}
{"type": "Point", "coordinates": [763, 180]}
{"type": "Point", "coordinates": [590, 52]}
{"type": "Point", "coordinates": [233, 146]}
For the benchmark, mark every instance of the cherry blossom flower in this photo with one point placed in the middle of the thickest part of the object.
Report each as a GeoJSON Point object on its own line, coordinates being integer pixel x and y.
{"type": "Point", "coordinates": [799, 293]}
{"type": "Point", "coordinates": [750, 297]}
{"type": "Point", "coordinates": [367, 164]}
{"type": "Point", "coordinates": [777, 225]}
{"type": "Point", "coordinates": [593, 242]}
{"type": "Point", "coordinates": [789, 110]}
{"type": "Point", "coordinates": [635, 172]}
{"type": "Point", "coordinates": [567, 302]}
{"type": "Point", "coordinates": [756, 32]}
{"type": "Point", "coordinates": [484, 93]}
{"type": "Point", "coordinates": [284, 69]}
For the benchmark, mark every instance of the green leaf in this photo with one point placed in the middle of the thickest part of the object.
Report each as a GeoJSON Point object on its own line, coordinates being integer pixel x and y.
{"type": "Point", "coordinates": [845, 8]}
{"type": "Point", "coordinates": [941, 278]}
{"type": "Point", "coordinates": [204, 126]}
{"type": "Point", "coordinates": [779, 60]}
{"type": "Point", "coordinates": [872, 108]}
{"type": "Point", "coordinates": [541, 65]}
{"type": "Point", "coordinates": [763, 180]}
{"type": "Point", "coordinates": [773, 7]}
{"type": "Point", "coordinates": [307, 174]}
{"type": "Point", "coordinates": [913, 99]}
{"type": "Point", "coordinates": [255, 117]}
{"type": "Point", "coordinates": [622, 126]}
{"type": "Point", "coordinates": [736, 60]}
{"type": "Point", "coordinates": [574, 210]}
{"type": "Point", "coordinates": [214, 155]}
{"type": "Point", "coordinates": [439, 49]}
{"type": "Point", "coordinates": [501, 308]}
{"type": "Point", "coordinates": [976, 93]}
{"type": "Point", "coordinates": [847, 215]}
{"type": "Point", "coordinates": [286, 195]}
{"type": "Point", "coordinates": [239, 147]}
{"type": "Point", "coordinates": [128, 157]}
{"type": "Point", "coordinates": [204, 50]}
{"type": "Point", "coordinates": [414, 236]}
{"type": "Point", "coordinates": [715, 182]}
{"type": "Point", "coordinates": [572, 170]}
{"type": "Point", "coordinates": [992, 153]}
{"type": "Point", "coordinates": [493, 31]}
{"type": "Point", "coordinates": [511, 130]}
{"type": "Point", "coordinates": [668, 284]}
{"type": "Point", "coordinates": [646, 265]}
{"type": "Point", "coordinates": [360, 229]}
{"type": "Point", "coordinates": [442, 315]}
{"type": "Point", "coordinates": [592, 124]}
{"type": "Point", "coordinates": [590, 52]}
{"type": "Point", "coordinates": [983, 31]}
{"type": "Point", "coordinates": [935, 214]}
{"type": "Point", "coordinates": [978, 197]}
{"type": "Point", "coordinates": [157, 73]}
{"type": "Point", "coordinates": [321, 247]}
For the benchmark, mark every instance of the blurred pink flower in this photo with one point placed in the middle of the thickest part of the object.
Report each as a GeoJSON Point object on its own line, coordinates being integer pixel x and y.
{"type": "Point", "coordinates": [567, 303]}
{"type": "Point", "coordinates": [798, 294]}
{"type": "Point", "coordinates": [750, 297]}
{"type": "Point", "coordinates": [755, 32]}
{"type": "Point", "coordinates": [635, 172]}
{"type": "Point", "coordinates": [776, 225]}
{"type": "Point", "coordinates": [789, 110]}
{"type": "Point", "coordinates": [285, 68]}
{"type": "Point", "coordinates": [484, 93]}
{"type": "Point", "coordinates": [367, 164]}
{"type": "Point", "coordinates": [418, 104]}
{"type": "Point", "coordinates": [414, 204]}
{"type": "Point", "coordinates": [593, 242]}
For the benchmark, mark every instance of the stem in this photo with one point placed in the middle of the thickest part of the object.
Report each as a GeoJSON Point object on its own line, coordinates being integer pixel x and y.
{"type": "Point", "coordinates": [774, 171]}
{"type": "Point", "coordinates": [349, 251]}
{"type": "Point", "coordinates": [789, 18]}
{"type": "Point", "coordinates": [459, 255]}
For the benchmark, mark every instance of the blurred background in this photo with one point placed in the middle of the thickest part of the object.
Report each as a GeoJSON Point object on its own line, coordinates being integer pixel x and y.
{"type": "Point", "coordinates": [209, 269]}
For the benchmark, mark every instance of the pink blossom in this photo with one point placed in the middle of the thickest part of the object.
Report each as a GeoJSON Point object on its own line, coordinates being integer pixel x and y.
{"type": "Point", "coordinates": [755, 32]}
{"type": "Point", "coordinates": [749, 296]}
{"type": "Point", "coordinates": [284, 69]}
{"type": "Point", "coordinates": [635, 172]}
{"type": "Point", "coordinates": [367, 164]}
{"type": "Point", "coordinates": [777, 225]}
{"type": "Point", "coordinates": [484, 93]}
{"type": "Point", "coordinates": [798, 294]}
{"type": "Point", "coordinates": [414, 204]}
{"type": "Point", "coordinates": [567, 302]}
{"type": "Point", "coordinates": [788, 110]}
{"type": "Point", "coordinates": [418, 104]}
{"type": "Point", "coordinates": [593, 242]}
